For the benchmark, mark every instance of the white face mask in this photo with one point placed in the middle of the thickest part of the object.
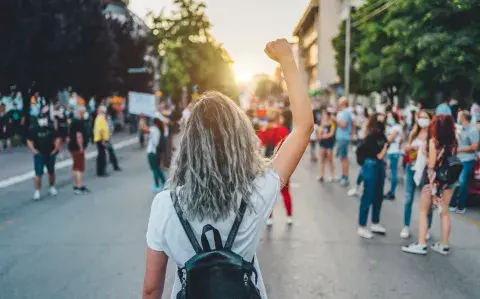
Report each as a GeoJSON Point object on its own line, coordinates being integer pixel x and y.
{"type": "Point", "coordinates": [43, 122]}
{"type": "Point", "coordinates": [85, 116]}
{"type": "Point", "coordinates": [423, 122]}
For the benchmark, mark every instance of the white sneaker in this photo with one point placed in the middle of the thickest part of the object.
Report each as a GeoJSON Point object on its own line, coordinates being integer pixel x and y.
{"type": "Point", "coordinates": [289, 220]}
{"type": "Point", "coordinates": [415, 248]}
{"type": "Point", "coordinates": [428, 236]}
{"type": "Point", "coordinates": [364, 233]}
{"type": "Point", "coordinates": [452, 209]}
{"type": "Point", "coordinates": [329, 180]}
{"type": "Point", "coordinates": [437, 247]}
{"type": "Point", "coordinates": [405, 233]}
{"type": "Point", "coordinates": [353, 192]}
{"type": "Point", "coordinates": [36, 195]}
{"type": "Point", "coordinates": [269, 222]}
{"type": "Point", "coordinates": [378, 229]}
{"type": "Point", "coordinates": [52, 191]}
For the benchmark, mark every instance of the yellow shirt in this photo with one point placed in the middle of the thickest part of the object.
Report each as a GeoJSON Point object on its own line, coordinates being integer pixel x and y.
{"type": "Point", "coordinates": [100, 129]}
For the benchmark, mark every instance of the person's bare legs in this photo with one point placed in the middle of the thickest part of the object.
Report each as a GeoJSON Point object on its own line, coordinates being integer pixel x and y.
{"type": "Point", "coordinates": [322, 162]}
{"type": "Point", "coordinates": [330, 163]}
{"type": "Point", "coordinates": [445, 217]}
{"type": "Point", "coordinates": [345, 167]}
{"type": "Point", "coordinates": [37, 182]}
{"type": "Point", "coordinates": [425, 205]}
{"type": "Point", "coordinates": [51, 179]}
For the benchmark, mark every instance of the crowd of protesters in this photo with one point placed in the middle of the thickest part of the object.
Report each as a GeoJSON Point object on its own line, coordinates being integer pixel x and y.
{"type": "Point", "coordinates": [53, 129]}
{"type": "Point", "coordinates": [386, 143]}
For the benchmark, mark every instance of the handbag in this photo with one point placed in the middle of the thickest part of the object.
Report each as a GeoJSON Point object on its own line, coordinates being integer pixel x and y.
{"type": "Point", "coordinates": [449, 169]}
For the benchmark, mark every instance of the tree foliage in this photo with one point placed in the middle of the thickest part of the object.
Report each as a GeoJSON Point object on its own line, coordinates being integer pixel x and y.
{"type": "Point", "coordinates": [50, 45]}
{"type": "Point", "coordinates": [191, 54]}
{"type": "Point", "coordinates": [419, 48]}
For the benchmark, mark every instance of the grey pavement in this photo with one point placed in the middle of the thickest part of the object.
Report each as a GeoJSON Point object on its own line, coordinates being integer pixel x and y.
{"type": "Point", "coordinates": [93, 246]}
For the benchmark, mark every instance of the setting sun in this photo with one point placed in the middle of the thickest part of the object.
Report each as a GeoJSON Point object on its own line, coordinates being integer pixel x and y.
{"type": "Point", "coordinates": [242, 74]}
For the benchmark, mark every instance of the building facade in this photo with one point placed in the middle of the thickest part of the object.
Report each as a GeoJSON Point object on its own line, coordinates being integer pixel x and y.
{"type": "Point", "coordinates": [315, 31]}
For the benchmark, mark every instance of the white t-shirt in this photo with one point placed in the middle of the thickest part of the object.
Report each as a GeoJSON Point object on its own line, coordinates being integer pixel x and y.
{"type": "Point", "coordinates": [153, 140]}
{"type": "Point", "coordinates": [165, 233]}
{"type": "Point", "coordinates": [395, 144]}
{"type": "Point", "coordinates": [314, 136]}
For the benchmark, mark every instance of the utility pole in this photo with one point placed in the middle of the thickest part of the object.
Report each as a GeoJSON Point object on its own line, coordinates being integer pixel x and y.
{"type": "Point", "coordinates": [347, 48]}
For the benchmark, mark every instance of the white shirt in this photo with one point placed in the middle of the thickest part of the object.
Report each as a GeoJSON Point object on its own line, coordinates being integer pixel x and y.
{"type": "Point", "coordinates": [314, 136]}
{"type": "Point", "coordinates": [395, 144]}
{"type": "Point", "coordinates": [153, 140]}
{"type": "Point", "coordinates": [165, 233]}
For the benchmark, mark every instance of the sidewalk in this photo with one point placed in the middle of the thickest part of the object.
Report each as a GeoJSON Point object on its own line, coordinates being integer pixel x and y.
{"type": "Point", "coordinates": [19, 160]}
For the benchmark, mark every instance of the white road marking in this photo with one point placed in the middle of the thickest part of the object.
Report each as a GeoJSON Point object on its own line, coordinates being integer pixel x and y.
{"type": "Point", "coordinates": [60, 165]}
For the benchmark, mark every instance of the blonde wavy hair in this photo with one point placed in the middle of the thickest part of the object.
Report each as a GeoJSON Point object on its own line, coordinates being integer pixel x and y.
{"type": "Point", "coordinates": [218, 159]}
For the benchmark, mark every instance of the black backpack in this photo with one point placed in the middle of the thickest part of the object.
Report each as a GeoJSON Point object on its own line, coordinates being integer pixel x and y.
{"type": "Point", "coordinates": [217, 273]}
{"type": "Point", "coordinates": [448, 172]}
{"type": "Point", "coordinates": [361, 153]}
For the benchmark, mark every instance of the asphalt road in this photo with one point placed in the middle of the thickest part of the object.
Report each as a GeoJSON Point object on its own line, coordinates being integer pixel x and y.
{"type": "Point", "coordinates": [94, 246]}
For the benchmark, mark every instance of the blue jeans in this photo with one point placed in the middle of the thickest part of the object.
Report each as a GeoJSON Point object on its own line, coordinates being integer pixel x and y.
{"type": "Point", "coordinates": [373, 175]}
{"type": "Point", "coordinates": [393, 161]}
{"type": "Point", "coordinates": [359, 178]}
{"type": "Point", "coordinates": [410, 188]}
{"type": "Point", "coordinates": [459, 198]}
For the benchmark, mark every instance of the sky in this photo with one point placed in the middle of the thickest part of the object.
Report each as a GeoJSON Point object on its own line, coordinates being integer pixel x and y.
{"type": "Point", "coordinates": [243, 27]}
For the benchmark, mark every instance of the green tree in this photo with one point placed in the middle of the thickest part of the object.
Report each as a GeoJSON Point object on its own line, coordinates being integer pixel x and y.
{"type": "Point", "coordinates": [191, 53]}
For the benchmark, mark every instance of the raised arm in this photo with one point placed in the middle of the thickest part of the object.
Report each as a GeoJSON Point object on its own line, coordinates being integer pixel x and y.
{"type": "Point", "coordinates": [292, 149]}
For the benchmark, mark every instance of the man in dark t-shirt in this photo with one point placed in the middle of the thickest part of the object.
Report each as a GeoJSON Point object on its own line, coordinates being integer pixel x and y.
{"type": "Point", "coordinates": [77, 143]}
{"type": "Point", "coordinates": [44, 143]}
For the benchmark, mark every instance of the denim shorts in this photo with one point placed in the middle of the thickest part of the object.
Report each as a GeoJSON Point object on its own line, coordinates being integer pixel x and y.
{"type": "Point", "coordinates": [41, 161]}
{"type": "Point", "coordinates": [342, 148]}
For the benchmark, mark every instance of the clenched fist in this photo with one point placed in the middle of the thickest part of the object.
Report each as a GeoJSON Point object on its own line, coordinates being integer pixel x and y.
{"type": "Point", "coordinates": [280, 51]}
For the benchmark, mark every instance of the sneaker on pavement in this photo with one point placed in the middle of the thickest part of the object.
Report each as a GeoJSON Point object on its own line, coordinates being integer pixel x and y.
{"type": "Point", "coordinates": [389, 196]}
{"type": "Point", "coordinates": [460, 211]}
{"type": "Point", "coordinates": [415, 248]}
{"type": "Point", "coordinates": [343, 182]}
{"type": "Point", "coordinates": [353, 192]}
{"type": "Point", "coordinates": [320, 179]}
{"type": "Point", "coordinates": [155, 189]}
{"type": "Point", "coordinates": [77, 191]}
{"type": "Point", "coordinates": [85, 189]}
{"type": "Point", "coordinates": [452, 209]}
{"type": "Point", "coordinates": [437, 247]}
{"type": "Point", "coordinates": [329, 180]}
{"type": "Point", "coordinates": [364, 233]}
{"type": "Point", "coordinates": [269, 222]}
{"type": "Point", "coordinates": [378, 229]}
{"type": "Point", "coordinates": [405, 233]}
{"type": "Point", "coordinates": [52, 191]}
{"type": "Point", "coordinates": [36, 195]}
{"type": "Point", "coordinates": [289, 220]}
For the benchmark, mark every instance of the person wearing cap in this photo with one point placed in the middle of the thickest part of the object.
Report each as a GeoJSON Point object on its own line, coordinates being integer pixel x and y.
{"type": "Point", "coordinates": [77, 143]}
{"type": "Point", "coordinates": [443, 109]}
{"type": "Point", "coordinates": [156, 147]}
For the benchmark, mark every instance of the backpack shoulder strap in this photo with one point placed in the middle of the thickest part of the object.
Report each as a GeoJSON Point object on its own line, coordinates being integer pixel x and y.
{"type": "Point", "coordinates": [236, 225]}
{"type": "Point", "coordinates": [185, 224]}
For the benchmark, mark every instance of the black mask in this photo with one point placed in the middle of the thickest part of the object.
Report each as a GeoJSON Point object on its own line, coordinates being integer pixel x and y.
{"type": "Point", "coordinates": [381, 126]}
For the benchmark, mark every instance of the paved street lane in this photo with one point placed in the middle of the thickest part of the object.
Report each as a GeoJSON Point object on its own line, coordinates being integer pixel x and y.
{"type": "Point", "coordinates": [94, 246]}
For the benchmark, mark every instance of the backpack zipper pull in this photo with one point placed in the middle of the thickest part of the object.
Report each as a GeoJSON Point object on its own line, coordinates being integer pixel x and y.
{"type": "Point", "coordinates": [245, 279]}
{"type": "Point", "coordinates": [184, 279]}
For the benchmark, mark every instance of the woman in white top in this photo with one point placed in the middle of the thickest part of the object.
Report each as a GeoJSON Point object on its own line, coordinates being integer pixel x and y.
{"type": "Point", "coordinates": [394, 136]}
{"type": "Point", "coordinates": [219, 165]}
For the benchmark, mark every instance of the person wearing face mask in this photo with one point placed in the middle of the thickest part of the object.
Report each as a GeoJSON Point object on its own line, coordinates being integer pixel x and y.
{"type": "Point", "coordinates": [417, 141]}
{"type": "Point", "coordinates": [467, 153]}
{"type": "Point", "coordinates": [61, 125]}
{"type": "Point", "coordinates": [375, 148]}
{"type": "Point", "coordinates": [394, 136]}
{"type": "Point", "coordinates": [44, 143]}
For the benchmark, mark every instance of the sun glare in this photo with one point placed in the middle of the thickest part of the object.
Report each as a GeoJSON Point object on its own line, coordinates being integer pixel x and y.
{"type": "Point", "coordinates": [242, 74]}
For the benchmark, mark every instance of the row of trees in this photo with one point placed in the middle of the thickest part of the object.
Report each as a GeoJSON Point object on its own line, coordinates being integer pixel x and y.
{"type": "Point", "coordinates": [416, 48]}
{"type": "Point", "coordinates": [191, 57]}
{"type": "Point", "coordinates": [49, 45]}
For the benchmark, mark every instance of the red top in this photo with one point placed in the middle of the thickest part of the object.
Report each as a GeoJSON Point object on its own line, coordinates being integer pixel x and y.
{"type": "Point", "coordinates": [275, 135]}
